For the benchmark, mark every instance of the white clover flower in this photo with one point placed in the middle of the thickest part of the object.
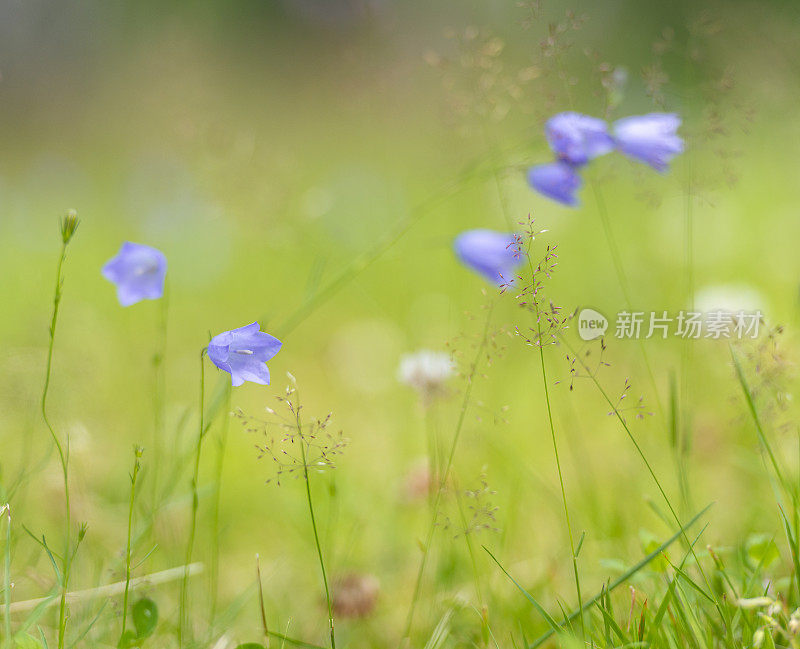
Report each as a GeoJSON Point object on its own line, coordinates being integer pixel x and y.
{"type": "Point", "coordinates": [754, 602]}
{"type": "Point", "coordinates": [794, 622]}
{"type": "Point", "coordinates": [427, 372]}
{"type": "Point", "coordinates": [729, 298]}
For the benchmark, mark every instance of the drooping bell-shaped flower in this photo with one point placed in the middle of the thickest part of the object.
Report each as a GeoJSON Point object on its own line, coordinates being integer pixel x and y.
{"type": "Point", "coordinates": [651, 138]}
{"type": "Point", "coordinates": [494, 255]}
{"type": "Point", "coordinates": [243, 353]}
{"type": "Point", "coordinates": [556, 180]}
{"type": "Point", "coordinates": [577, 138]}
{"type": "Point", "coordinates": [138, 271]}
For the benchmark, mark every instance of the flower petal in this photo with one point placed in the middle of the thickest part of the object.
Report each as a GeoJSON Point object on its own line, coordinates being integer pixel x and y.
{"type": "Point", "coordinates": [578, 138]}
{"type": "Point", "coordinates": [557, 181]}
{"type": "Point", "coordinates": [243, 353]}
{"type": "Point", "coordinates": [492, 254]}
{"type": "Point", "coordinates": [651, 138]}
{"type": "Point", "coordinates": [138, 271]}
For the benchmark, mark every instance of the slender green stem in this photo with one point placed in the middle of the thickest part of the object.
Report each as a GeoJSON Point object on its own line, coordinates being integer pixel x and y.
{"type": "Point", "coordinates": [328, 599]}
{"type": "Point", "coordinates": [63, 454]}
{"type": "Point", "coordinates": [561, 479]}
{"type": "Point", "coordinates": [137, 452]}
{"type": "Point", "coordinates": [611, 586]}
{"type": "Point", "coordinates": [616, 257]}
{"type": "Point", "coordinates": [683, 410]}
{"type": "Point", "coordinates": [446, 472]}
{"type": "Point", "coordinates": [262, 607]}
{"type": "Point", "coordinates": [159, 391]}
{"type": "Point", "coordinates": [602, 210]}
{"type": "Point", "coordinates": [650, 470]}
{"type": "Point", "coordinates": [223, 442]}
{"type": "Point", "coordinates": [484, 611]}
{"type": "Point", "coordinates": [485, 166]}
{"type": "Point", "coordinates": [6, 509]}
{"type": "Point", "coordinates": [762, 437]}
{"type": "Point", "coordinates": [554, 440]}
{"type": "Point", "coordinates": [433, 453]}
{"type": "Point", "coordinates": [183, 624]}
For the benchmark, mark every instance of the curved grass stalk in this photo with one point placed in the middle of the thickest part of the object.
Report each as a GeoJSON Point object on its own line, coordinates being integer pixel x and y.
{"type": "Point", "coordinates": [362, 262]}
{"type": "Point", "coordinates": [622, 578]}
{"type": "Point", "coordinates": [659, 486]}
{"type": "Point", "coordinates": [484, 610]}
{"type": "Point", "coordinates": [762, 437]}
{"type": "Point", "coordinates": [434, 451]}
{"type": "Point", "coordinates": [159, 391]}
{"type": "Point", "coordinates": [681, 420]}
{"type": "Point", "coordinates": [546, 389]}
{"type": "Point", "coordinates": [6, 509]}
{"type": "Point", "coordinates": [69, 225]}
{"type": "Point", "coordinates": [622, 278]}
{"type": "Point", "coordinates": [328, 599]}
{"type": "Point", "coordinates": [183, 622]}
{"type": "Point", "coordinates": [223, 442]}
{"type": "Point", "coordinates": [137, 451]}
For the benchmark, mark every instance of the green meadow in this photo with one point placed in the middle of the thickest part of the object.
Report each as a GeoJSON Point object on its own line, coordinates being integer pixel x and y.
{"type": "Point", "coordinates": [308, 165]}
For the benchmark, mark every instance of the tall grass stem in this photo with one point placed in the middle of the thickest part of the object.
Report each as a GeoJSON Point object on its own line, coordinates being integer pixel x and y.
{"type": "Point", "coordinates": [183, 623]}
{"type": "Point", "coordinates": [6, 509]}
{"type": "Point", "coordinates": [446, 472]}
{"type": "Point", "coordinates": [215, 517]}
{"type": "Point", "coordinates": [68, 226]}
{"type": "Point", "coordinates": [137, 452]}
{"type": "Point", "coordinates": [551, 425]}
{"type": "Point", "coordinates": [328, 599]}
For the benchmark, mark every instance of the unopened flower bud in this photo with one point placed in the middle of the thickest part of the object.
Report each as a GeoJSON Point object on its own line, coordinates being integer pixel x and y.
{"type": "Point", "coordinates": [69, 223]}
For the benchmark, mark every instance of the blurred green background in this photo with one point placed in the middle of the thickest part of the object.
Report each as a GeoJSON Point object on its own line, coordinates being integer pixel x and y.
{"type": "Point", "coordinates": [265, 146]}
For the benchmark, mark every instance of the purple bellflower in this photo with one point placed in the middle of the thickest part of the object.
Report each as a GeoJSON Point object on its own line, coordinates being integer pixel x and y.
{"type": "Point", "coordinates": [651, 138]}
{"type": "Point", "coordinates": [243, 353]}
{"type": "Point", "coordinates": [494, 255]}
{"type": "Point", "coordinates": [577, 138]}
{"type": "Point", "coordinates": [556, 180]}
{"type": "Point", "coordinates": [138, 271]}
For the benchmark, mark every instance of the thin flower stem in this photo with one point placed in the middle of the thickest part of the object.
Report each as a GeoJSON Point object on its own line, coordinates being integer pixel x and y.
{"type": "Point", "coordinates": [262, 607]}
{"type": "Point", "coordinates": [484, 610]}
{"type": "Point", "coordinates": [446, 472]}
{"type": "Point", "coordinates": [602, 210]}
{"type": "Point", "coordinates": [223, 442]}
{"type": "Point", "coordinates": [159, 389]}
{"type": "Point", "coordinates": [6, 509]}
{"type": "Point", "coordinates": [62, 454]}
{"type": "Point", "coordinates": [480, 170]}
{"type": "Point", "coordinates": [433, 453]}
{"type": "Point", "coordinates": [183, 624]}
{"type": "Point", "coordinates": [651, 471]}
{"type": "Point", "coordinates": [137, 451]}
{"type": "Point", "coordinates": [682, 411]}
{"type": "Point", "coordinates": [314, 524]}
{"type": "Point", "coordinates": [546, 390]}
{"type": "Point", "coordinates": [762, 437]}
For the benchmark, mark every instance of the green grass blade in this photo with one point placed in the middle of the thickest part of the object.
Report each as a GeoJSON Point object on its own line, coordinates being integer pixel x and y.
{"type": "Point", "coordinates": [627, 574]}
{"type": "Point", "coordinates": [553, 624]}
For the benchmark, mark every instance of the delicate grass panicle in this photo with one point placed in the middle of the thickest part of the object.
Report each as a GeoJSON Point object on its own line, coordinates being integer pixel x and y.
{"type": "Point", "coordinates": [300, 446]}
